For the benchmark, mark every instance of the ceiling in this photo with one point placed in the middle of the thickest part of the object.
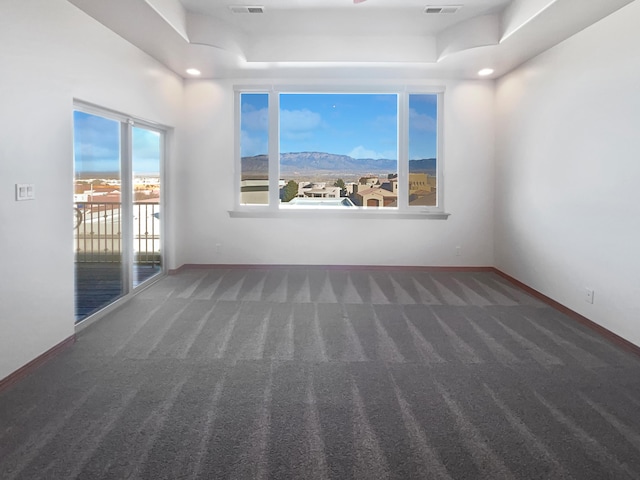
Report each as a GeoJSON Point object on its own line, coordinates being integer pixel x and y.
{"type": "Point", "coordinates": [342, 17]}
{"type": "Point", "coordinates": [328, 38]}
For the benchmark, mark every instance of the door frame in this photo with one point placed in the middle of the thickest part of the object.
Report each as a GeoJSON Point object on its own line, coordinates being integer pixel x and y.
{"type": "Point", "coordinates": [127, 122]}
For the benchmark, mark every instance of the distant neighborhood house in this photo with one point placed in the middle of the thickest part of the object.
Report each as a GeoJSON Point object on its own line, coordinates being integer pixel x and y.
{"type": "Point", "coordinates": [370, 190]}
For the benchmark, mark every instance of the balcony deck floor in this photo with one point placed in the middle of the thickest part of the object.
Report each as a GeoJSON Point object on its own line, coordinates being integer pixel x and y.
{"type": "Point", "coordinates": [99, 284]}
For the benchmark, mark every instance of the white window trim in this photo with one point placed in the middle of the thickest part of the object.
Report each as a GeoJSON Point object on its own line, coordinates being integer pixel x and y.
{"type": "Point", "coordinates": [402, 211]}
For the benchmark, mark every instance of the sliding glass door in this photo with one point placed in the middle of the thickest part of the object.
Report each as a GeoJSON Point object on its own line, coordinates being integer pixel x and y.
{"type": "Point", "coordinates": [117, 206]}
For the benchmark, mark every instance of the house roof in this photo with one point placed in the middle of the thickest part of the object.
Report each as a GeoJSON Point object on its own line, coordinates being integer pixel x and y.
{"type": "Point", "coordinates": [429, 199]}
{"type": "Point", "coordinates": [377, 191]}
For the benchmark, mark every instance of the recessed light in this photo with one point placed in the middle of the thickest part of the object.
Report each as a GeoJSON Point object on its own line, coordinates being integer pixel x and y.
{"type": "Point", "coordinates": [193, 71]}
{"type": "Point", "coordinates": [485, 72]}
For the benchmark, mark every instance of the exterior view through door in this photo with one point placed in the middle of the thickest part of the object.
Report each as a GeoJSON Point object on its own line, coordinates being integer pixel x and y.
{"type": "Point", "coordinates": [117, 207]}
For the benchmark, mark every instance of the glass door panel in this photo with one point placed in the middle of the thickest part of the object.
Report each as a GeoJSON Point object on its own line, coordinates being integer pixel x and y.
{"type": "Point", "coordinates": [97, 208]}
{"type": "Point", "coordinates": [147, 147]}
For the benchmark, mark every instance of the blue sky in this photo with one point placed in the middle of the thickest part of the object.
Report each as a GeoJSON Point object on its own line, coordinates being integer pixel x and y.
{"type": "Point", "coordinates": [358, 125]}
{"type": "Point", "coordinates": [96, 145]}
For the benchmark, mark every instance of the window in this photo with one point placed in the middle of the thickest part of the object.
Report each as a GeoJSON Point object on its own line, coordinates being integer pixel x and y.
{"type": "Point", "coordinates": [422, 183]}
{"type": "Point", "coordinates": [254, 153]}
{"type": "Point", "coordinates": [357, 151]}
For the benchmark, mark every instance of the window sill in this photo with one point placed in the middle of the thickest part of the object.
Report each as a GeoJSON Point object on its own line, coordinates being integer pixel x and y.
{"type": "Point", "coordinates": [336, 213]}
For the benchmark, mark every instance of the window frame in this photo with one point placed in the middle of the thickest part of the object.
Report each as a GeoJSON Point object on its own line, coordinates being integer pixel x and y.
{"type": "Point", "coordinates": [403, 209]}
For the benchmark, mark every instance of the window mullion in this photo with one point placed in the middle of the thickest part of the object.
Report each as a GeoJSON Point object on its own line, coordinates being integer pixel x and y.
{"type": "Point", "coordinates": [238, 149]}
{"type": "Point", "coordinates": [403, 151]}
{"type": "Point", "coordinates": [126, 200]}
{"type": "Point", "coordinates": [274, 150]}
{"type": "Point", "coordinates": [440, 153]}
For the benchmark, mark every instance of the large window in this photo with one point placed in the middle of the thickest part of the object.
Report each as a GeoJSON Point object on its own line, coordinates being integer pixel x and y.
{"type": "Point", "coordinates": [349, 151]}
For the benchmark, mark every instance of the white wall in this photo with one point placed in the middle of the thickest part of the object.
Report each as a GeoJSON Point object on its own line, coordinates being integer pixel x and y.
{"type": "Point", "coordinates": [207, 193]}
{"type": "Point", "coordinates": [568, 172]}
{"type": "Point", "coordinates": [51, 53]}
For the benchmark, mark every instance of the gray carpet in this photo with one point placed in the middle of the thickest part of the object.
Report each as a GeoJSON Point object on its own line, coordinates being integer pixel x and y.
{"type": "Point", "coordinates": [313, 373]}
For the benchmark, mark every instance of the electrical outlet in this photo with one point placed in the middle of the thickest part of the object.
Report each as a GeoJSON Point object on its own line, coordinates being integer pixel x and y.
{"type": "Point", "coordinates": [588, 295]}
{"type": "Point", "coordinates": [458, 249]}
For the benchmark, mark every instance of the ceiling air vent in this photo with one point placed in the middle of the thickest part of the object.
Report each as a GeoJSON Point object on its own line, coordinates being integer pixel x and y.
{"type": "Point", "coordinates": [246, 9]}
{"type": "Point", "coordinates": [440, 9]}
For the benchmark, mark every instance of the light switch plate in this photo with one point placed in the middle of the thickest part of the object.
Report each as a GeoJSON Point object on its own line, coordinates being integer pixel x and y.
{"type": "Point", "coordinates": [25, 191]}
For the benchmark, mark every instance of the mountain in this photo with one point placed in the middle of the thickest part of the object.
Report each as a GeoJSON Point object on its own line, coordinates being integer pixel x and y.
{"type": "Point", "coordinates": [296, 162]}
{"type": "Point", "coordinates": [301, 162]}
{"type": "Point", "coordinates": [254, 165]}
{"type": "Point", "coordinates": [426, 165]}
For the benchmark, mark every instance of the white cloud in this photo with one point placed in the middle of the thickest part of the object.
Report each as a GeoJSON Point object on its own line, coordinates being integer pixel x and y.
{"type": "Point", "coordinates": [362, 152]}
{"type": "Point", "coordinates": [385, 123]}
{"type": "Point", "coordinates": [422, 122]}
{"type": "Point", "coordinates": [256, 119]}
{"type": "Point", "coordinates": [95, 151]}
{"type": "Point", "coordinates": [252, 145]}
{"type": "Point", "coordinates": [293, 121]}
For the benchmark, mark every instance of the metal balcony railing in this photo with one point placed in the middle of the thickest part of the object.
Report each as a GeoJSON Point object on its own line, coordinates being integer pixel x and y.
{"type": "Point", "coordinates": [98, 232]}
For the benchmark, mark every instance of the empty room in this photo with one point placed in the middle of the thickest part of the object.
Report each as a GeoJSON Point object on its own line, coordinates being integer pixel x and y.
{"type": "Point", "coordinates": [319, 239]}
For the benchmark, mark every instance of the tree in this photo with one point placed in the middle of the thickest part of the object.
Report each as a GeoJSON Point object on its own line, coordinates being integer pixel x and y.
{"type": "Point", "coordinates": [343, 188]}
{"type": "Point", "coordinates": [289, 191]}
